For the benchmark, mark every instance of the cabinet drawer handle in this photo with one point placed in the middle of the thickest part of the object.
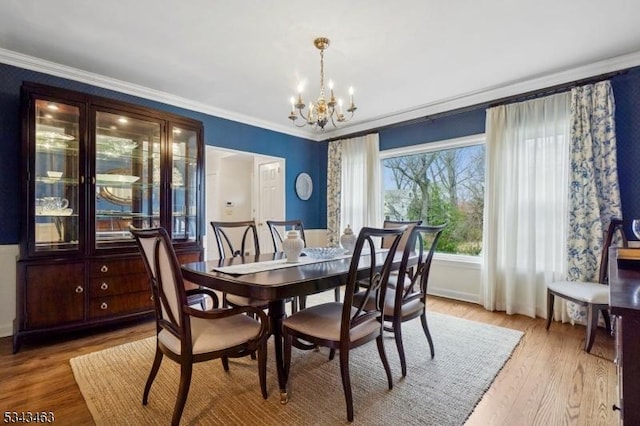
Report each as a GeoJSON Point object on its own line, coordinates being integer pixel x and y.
{"type": "Point", "coordinates": [104, 306]}
{"type": "Point", "coordinates": [104, 286]}
{"type": "Point", "coordinates": [104, 268]}
{"type": "Point", "coordinates": [79, 289]}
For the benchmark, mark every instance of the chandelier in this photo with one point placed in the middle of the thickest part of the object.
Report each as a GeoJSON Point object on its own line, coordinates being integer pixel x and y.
{"type": "Point", "coordinates": [323, 111]}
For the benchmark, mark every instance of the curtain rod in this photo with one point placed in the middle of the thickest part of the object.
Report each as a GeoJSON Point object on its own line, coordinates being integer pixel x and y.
{"type": "Point", "coordinates": [551, 90]}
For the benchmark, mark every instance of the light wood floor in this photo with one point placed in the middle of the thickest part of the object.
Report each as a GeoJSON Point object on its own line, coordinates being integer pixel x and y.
{"type": "Point", "coordinates": [549, 379]}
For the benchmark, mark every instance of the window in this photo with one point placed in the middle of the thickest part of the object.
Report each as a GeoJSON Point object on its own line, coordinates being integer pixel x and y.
{"type": "Point", "coordinates": [439, 182]}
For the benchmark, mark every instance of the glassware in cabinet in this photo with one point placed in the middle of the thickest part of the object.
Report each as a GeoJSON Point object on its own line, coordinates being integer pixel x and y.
{"type": "Point", "coordinates": [56, 194]}
{"type": "Point", "coordinates": [127, 164]}
{"type": "Point", "coordinates": [184, 183]}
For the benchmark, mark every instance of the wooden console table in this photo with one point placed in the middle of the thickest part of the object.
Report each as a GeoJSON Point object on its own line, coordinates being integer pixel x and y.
{"type": "Point", "coordinates": [624, 293]}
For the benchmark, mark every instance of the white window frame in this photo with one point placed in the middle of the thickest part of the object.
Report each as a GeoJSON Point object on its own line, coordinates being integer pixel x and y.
{"type": "Point", "coordinates": [462, 142]}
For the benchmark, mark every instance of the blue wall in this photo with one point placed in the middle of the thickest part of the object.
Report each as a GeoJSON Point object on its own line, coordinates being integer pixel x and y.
{"type": "Point", "coordinates": [626, 90]}
{"type": "Point", "coordinates": [302, 155]}
{"type": "Point", "coordinates": [447, 127]}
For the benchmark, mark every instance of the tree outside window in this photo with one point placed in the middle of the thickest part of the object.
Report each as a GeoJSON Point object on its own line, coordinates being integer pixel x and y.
{"type": "Point", "coordinates": [438, 186]}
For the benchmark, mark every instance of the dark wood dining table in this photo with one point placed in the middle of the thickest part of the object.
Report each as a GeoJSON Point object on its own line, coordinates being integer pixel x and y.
{"type": "Point", "coordinates": [277, 285]}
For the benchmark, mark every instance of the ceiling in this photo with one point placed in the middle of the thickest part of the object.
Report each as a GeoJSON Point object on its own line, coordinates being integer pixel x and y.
{"type": "Point", "coordinates": [243, 60]}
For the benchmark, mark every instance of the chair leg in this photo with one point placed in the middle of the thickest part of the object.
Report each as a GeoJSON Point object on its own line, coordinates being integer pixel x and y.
{"type": "Point", "coordinates": [383, 357]}
{"type": "Point", "coordinates": [550, 298]}
{"type": "Point", "coordinates": [346, 381]}
{"type": "Point", "coordinates": [607, 319]}
{"type": "Point", "coordinates": [592, 325]}
{"type": "Point", "coordinates": [332, 354]}
{"type": "Point", "coordinates": [397, 333]}
{"type": "Point", "coordinates": [425, 327]}
{"type": "Point", "coordinates": [262, 367]}
{"type": "Point", "coordinates": [288, 342]}
{"type": "Point", "coordinates": [183, 391]}
{"type": "Point", "coordinates": [225, 363]}
{"type": "Point", "coordinates": [336, 293]}
{"type": "Point", "coordinates": [302, 302]}
{"type": "Point", "coordinates": [152, 375]}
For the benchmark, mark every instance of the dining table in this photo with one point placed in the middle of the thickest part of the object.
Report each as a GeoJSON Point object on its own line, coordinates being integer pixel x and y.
{"type": "Point", "coordinates": [271, 278]}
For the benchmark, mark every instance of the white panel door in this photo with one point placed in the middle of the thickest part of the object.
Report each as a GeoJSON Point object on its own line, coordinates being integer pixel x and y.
{"type": "Point", "coordinates": [270, 200]}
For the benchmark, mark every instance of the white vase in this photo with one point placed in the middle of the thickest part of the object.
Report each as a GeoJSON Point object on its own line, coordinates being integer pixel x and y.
{"type": "Point", "coordinates": [292, 246]}
{"type": "Point", "coordinates": [348, 239]}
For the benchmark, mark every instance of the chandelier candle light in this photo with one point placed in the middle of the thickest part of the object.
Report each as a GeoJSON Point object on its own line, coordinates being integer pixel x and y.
{"type": "Point", "coordinates": [323, 110]}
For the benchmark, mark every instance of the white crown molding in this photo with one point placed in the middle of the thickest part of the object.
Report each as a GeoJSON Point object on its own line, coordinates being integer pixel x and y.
{"type": "Point", "coordinates": [461, 101]}
{"type": "Point", "coordinates": [47, 67]}
{"type": "Point", "coordinates": [493, 93]}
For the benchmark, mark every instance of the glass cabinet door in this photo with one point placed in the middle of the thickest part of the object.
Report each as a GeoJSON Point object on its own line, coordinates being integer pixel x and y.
{"type": "Point", "coordinates": [127, 166]}
{"type": "Point", "coordinates": [184, 183]}
{"type": "Point", "coordinates": [56, 194]}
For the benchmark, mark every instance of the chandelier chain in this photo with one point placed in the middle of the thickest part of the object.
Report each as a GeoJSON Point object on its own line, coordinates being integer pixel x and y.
{"type": "Point", "coordinates": [322, 71]}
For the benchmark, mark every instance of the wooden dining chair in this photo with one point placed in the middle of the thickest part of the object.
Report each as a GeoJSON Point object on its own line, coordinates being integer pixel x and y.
{"type": "Point", "coordinates": [186, 335]}
{"type": "Point", "coordinates": [236, 239]}
{"type": "Point", "coordinates": [278, 232]}
{"type": "Point", "coordinates": [403, 242]}
{"type": "Point", "coordinates": [407, 302]}
{"type": "Point", "coordinates": [386, 243]}
{"type": "Point", "coordinates": [347, 325]}
{"type": "Point", "coordinates": [398, 223]}
{"type": "Point", "coordinates": [593, 296]}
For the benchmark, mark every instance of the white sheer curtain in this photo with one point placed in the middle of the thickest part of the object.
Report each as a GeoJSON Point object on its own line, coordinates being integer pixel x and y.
{"type": "Point", "coordinates": [525, 219]}
{"type": "Point", "coordinates": [361, 193]}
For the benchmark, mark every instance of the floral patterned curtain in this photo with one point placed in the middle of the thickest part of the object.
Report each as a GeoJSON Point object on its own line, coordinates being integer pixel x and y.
{"type": "Point", "coordinates": [594, 194]}
{"type": "Point", "coordinates": [334, 183]}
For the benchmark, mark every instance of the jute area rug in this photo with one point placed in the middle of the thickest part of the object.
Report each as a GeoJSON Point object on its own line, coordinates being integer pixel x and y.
{"type": "Point", "coordinates": [439, 391]}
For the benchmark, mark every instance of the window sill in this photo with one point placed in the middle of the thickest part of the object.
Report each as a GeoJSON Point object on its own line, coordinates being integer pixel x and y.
{"type": "Point", "coordinates": [458, 260]}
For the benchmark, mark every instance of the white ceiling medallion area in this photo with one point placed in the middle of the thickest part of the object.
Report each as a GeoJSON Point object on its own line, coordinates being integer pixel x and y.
{"type": "Point", "coordinates": [464, 100]}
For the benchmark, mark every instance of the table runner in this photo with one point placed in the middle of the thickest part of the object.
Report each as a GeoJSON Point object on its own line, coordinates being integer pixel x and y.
{"type": "Point", "coordinates": [268, 265]}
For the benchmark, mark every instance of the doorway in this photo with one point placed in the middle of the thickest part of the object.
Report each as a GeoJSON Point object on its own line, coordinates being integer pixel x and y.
{"type": "Point", "coordinates": [242, 186]}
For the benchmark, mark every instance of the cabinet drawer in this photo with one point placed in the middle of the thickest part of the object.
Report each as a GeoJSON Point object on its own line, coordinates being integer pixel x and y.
{"type": "Point", "coordinates": [117, 267]}
{"type": "Point", "coordinates": [118, 284]}
{"type": "Point", "coordinates": [120, 304]}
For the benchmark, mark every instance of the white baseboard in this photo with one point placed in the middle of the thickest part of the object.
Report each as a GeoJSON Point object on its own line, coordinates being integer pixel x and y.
{"type": "Point", "coordinates": [453, 294]}
{"type": "Point", "coordinates": [6, 329]}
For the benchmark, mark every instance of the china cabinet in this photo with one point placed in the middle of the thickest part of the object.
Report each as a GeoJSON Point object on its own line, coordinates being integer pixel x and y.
{"type": "Point", "coordinates": [92, 167]}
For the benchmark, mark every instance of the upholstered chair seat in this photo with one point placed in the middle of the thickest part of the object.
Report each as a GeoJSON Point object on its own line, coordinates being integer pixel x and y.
{"type": "Point", "coordinates": [587, 292]}
{"type": "Point", "coordinates": [594, 297]}
{"type": "Point", "coordinates": [214, 335]}
{"type": "Point", "coordinates": [407, 309]}
{"type": "Point", "coordinates": [324, 322]}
